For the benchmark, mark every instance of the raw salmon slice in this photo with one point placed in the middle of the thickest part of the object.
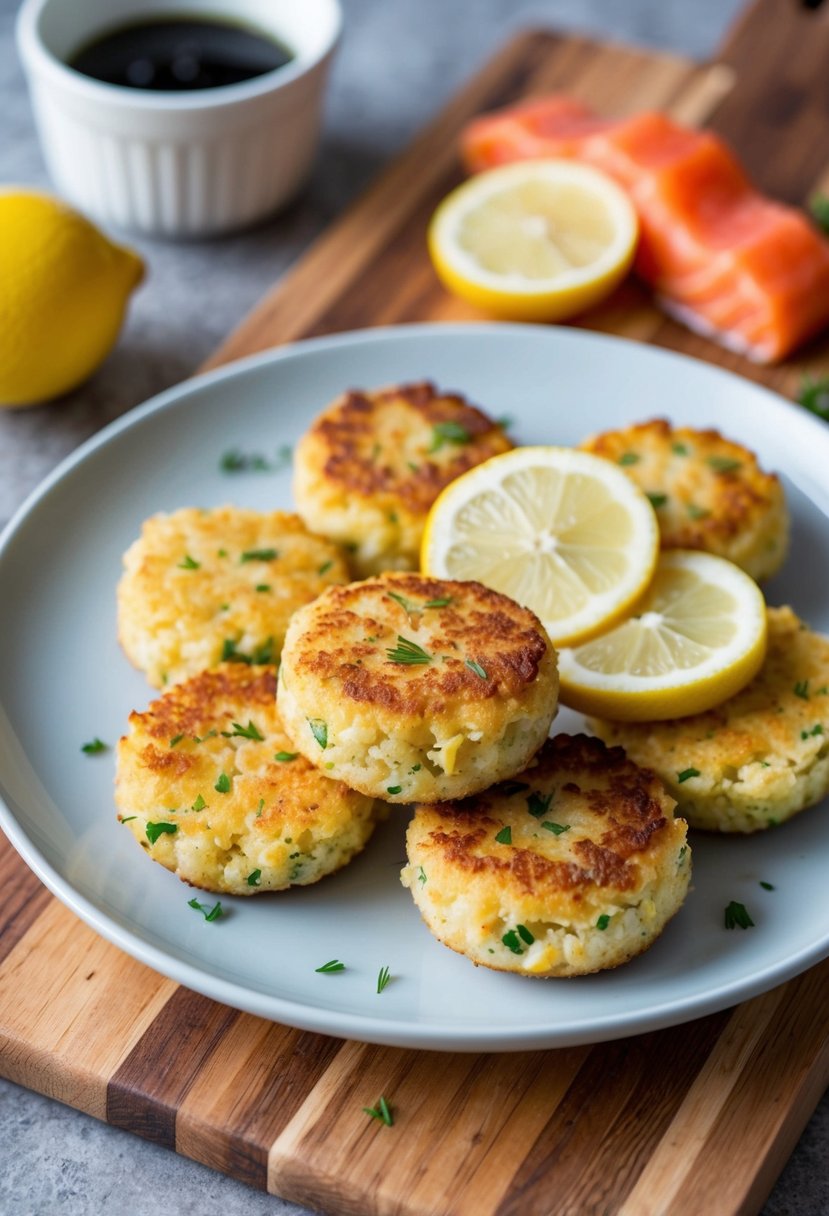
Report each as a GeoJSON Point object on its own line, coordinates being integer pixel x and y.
{"type": "Point", "coordinates": [748, 272]}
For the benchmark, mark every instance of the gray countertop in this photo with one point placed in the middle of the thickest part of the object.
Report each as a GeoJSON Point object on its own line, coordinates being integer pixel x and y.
{"type": "Point", "coordinates": [400, 60]}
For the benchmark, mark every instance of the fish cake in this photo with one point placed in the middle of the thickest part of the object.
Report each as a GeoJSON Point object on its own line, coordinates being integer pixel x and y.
{"type": "Point", "coordinates": [208, 783]}
{"type": "Point", "coordinates": [760, 757]}
{"type": "Point", "coordinates": [200, 587]}
{"type": "Point", "coordinates": [412, 688]}
{"type": "Point", "coordinates": [372, 464]}
{"type": "Point", "coordinates": [708, 491]}
{"type": "Point", "coordinates": [574, 867]}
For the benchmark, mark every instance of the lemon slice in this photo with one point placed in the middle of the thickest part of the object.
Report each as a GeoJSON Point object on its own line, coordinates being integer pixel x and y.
{"type": "Point", "coordinates": [537, 241]}
{"type": "Point", "coordinates": [697, 637]}
{"type": "Point", "coordinates": [566, 533]}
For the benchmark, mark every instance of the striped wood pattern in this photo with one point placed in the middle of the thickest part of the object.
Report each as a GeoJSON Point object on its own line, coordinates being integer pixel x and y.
{"type": "Point", "coordinates": [650, 1126]}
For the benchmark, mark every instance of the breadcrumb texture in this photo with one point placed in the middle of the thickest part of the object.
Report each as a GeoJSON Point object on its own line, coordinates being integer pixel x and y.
{"type": "Point", "coordinates": [284, 819]}
{"type": "Point", "coordinates": [576, 866]}
{"type": "Point", "coordinates": [472, 712]}
{"type": "Point", "coordinates": [372, 464]}
{"type": "Point", "coordinates": [709, 492]}
{"type": "Point", "coordinates": [199, 586]}
{"type": "Point", "coordinates": [759, 758]}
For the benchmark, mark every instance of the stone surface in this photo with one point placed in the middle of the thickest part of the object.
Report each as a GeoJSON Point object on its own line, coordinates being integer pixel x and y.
{"type": "Point", "coordinates": [400, 60]}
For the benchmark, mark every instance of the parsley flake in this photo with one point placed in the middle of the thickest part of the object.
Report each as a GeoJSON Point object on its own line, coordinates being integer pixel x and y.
{"type": "Point", "coordinates": [737, 917]}
{"type": "Point", "coordinates": [813, 395]}
{"type": "Point", "coordinates": [767, 886]}
{"type": "Point", "coordinates": [476, 667]}
{"type": "Point", "coordinates": [695, 512]}
{"type": "Point", "coordinates": [603, 921]}
{"type": "Point", "coordinates": [330, 967]}
{"type": "Point", "coordinates": [629, 458]}
{"type": "Point", "coordinates": [325, 567]}
{"type": "Point", "coordinates": [154, 830]}
{"type": "Point", "coordinates": [94, 747]}
{"type": "Point", "coordinates": [679, 449]}
{"type": "Point", "coordinates": [801, 689]}
{"type": "Point", "coordinates": [259, 555]}
{"type": "Point", "coordinates": [819, 208]}
{"type": "Point", "coordinates": [176, 739]}
{"type": "Point", "coordinates": [408, 653]}
{"type": "Point", "coordinates": [383, 979]}
{"type": "Point", "coordinates": [448, 432]}
{"type": "Point", "coordinates": [199, 804]}
{"type": "Point", "coordinates": [525, 935]}
{"type": "Point", "coordinates": [263, 586]}
{"type": "Point", "coordinates": [189, 563]}
{"type": "Point", "coordinates": [538, 804]}
{"type": "Point", "coordinates": [817, 729]}
{"type": "Point", "coordinates": [724, 464]}
{"type": "Point", "coordinates": [657, 500]}
{"type": "Point", "coordinates": [222, 786]}
{"type": "Point", "coordinates": [687, 774]}
{"type": "Point", "coordinates": [208, 913]}
{"type": "Point", "coordinates": [510, 940]}
{"type": "Point", "coordinates": [381, 1111]}
{"type": "Point", "coordinates": [285, 757]}
{"type": "Point", "coordinates": [505, 835]}
{"type": "Point", "coordinates": [556, 828]}
{"type": "Point", "coordinates": [128, 818]}
{"type": "Point", "coordinates": [421, 874]}
{"type": "Point", "coordinates": [319, 730]}
{"type": "Point", "coordinates": [253, 879]}
{"type": "Point", "coordinates": [246, 732]}
{"type": "Point", "coordinates": [393, 789]}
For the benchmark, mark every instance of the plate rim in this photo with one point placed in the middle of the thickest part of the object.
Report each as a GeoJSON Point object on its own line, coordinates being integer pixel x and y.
{"type": "Point", "coordinates": [436, 1035]}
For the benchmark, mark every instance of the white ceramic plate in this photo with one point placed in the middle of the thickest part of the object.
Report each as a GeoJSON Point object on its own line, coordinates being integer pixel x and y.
{"type": "Point", "coordinates": [64, 680]}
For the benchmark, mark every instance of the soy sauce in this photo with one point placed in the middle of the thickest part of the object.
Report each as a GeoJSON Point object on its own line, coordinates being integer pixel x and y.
{"type": "Point", "coordinates": [171, 54]}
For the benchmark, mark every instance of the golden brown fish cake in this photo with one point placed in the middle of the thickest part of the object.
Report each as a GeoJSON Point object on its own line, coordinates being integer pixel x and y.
{"type": "Point", "coordinates": [760, 757]}
{"type": "Point", "coordinates": [201, 785]}
{"type": "Point", "coordinates": [412, 688]}
{"type": "Point", "coordinates": [202, 586]}
{"type": "Point", "coordinates": [372, 464]}
{"type": "Point", "coordinates": [574, 867]}
{"type": "Point", "coordinates": [709, 492]}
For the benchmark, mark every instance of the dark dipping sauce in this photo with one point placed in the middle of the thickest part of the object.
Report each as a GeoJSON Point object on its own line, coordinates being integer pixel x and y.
{"type": "Point", "coordinates": [175, 54]}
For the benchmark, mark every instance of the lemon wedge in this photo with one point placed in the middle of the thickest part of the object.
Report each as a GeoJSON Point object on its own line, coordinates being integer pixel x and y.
{"type": "Point", "coordinates": [696, 638]}
{"type": "Point", "coordinates": [561, 531]}
{"type": "Point", "coordinates": [540, 240]}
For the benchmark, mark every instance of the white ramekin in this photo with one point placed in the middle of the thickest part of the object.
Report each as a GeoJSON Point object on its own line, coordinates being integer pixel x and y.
{"type": "Point", "coordinates": [177, 164]}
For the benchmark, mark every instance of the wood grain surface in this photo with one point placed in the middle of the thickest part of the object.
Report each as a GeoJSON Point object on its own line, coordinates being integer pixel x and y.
{"type": "Point", "coordinates": [650, 1126]}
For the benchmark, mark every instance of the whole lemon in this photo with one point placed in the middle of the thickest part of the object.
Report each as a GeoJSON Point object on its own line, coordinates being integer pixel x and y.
{"type": "Point", "coordinates": [63, 292]}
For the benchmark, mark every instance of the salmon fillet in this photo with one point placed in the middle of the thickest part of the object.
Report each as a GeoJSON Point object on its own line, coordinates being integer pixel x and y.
{"type": "Point", "coordinates": [748, 272]}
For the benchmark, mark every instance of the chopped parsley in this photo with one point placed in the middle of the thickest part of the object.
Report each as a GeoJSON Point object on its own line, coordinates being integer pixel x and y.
{"type": "Point", "coordinates": [261, 655]}
{"type": "Point", "coordinates": [695, 512]}
{"type": "Point", "coordinates": [819, 209]}
{"type": "Point", "coordinates": [393, 789]}
{"type": "Point", "coordinates": [383, 979]}
{"type": "Point", "coordinates": [381, 1111]}
{"type": "Point", "coordinates": [556, 828]}
{"type": "Point", "coordinates": [510, 940]}
{"type": "Point", "coordinates": [679, 449]}
{"type": "Point", "coordinates": [817, 729]}
{"type": "Point", "coordinates": [259, 555]}
{"type": "Point", "coordinates": [687, 774]}
{"type": "Point", "coordinates": [260, 808]}
{"type": "Point", "coordinates": [325, 567]}
{"type": "Point", "coordinates": [234, 461]}
{"type": "Point", "coordinates": [525, 935]}
{"type": "Point", "coordinates": [724, 464]}
{"type": "Point", "coordinates": [737, 917]}
{"type": "Point", "coordinates": [813, 395]}
{"type": "Point", "coordinates": [95, 746]}
{"type": "Point", "coordinates": [284, 757]}
{"type": "Point", "coordinates": [263, 586]}
{"type": "Point", "coordinates": [254, 878]}
{"type": "Point", "coordinates": [476, 667]}
{"type": "Point", "coordinates": [801, 689]}
{"type": "Point", "coordinates": [176, 739]}
{"type": "Point", "coordinates": [245, 732]}
{"type": "Point", "coordinates": [211, 734]}
{"type": "Point", "coordinates": [421, 874]}
{"type": "Point", "coordinates": [603, 922]}
{"type": "Point", "coordinates": [505, 422]}
{"type": "Point", "coordinates": [505, 835]}
{"type": "Point", "coordinates": [199, 804]}
{"type": "Point", "coordinates": [681, 855]}
{"type": "Point", "coordinates": [657, 500]}
{"type": "Point", "coordinates": [629, 458]}
{"type": "Point", "coordinates": [208, 913]}
{"type": "Point", "coordinates": [222, 786]}
{"type": "Point", "coordinates": [408, 653]}
{"type": "Point", "coordinates": [154, 830]}
{"type": "Point", "coordinates": [330, 967]}
{"type": "Point", "coordinates": [128, 818]}
{"type": "Point", "coordinates": [767, 886]}
{"type": "Point", "coordinates": [538, 804]}
{"type": "Point", "coordinates": [448, 432]}
{"type": "Point", "coordinates": [189, 563]}
{"type": "Point", "coordinates": [319, 730]}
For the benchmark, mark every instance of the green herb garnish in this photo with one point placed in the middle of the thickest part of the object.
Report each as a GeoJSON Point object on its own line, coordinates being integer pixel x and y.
{"type": "Point", "coordinates": [736, 916]}
{"type": "Point", "coordinates": [679, 449]}
{"type": "Point", "coordinates": [556, 828]}
{"type": "Point", "coordinates": [448, 432]}
{"type": "Point", "coordinates": [687, 774]}
{"type": "Point", "coordinates": [330, 967]}
{"type": "Point", "coordinates": [189, 563]}
{"type": "Point", "coordinates": [154, 830]}
{"type": "Point", "coordinates": [505, 835]}
{"type": "Point", "coordinates": [381, 1111]}
{"type": "Point", "coordinates": [263, 586]}
{"type": "Point", "coordinates": [801, 689]}
{"type": "Point", "coordinates": [657, 500]}
{"type": "Point", "coordinates": [222, 786]}
{"type": "Point", "coordinates": [176, 739]}
{"type": "Point", "coordinates": [199, 804]}
{"type": "Point", "coordinates": [259, 555]}
{"type": "Point", "coordinates": [325, 567]}
{"type": "Point", "coordinates": [603, 921]}
{"type": "Point", "coordinates": [393, 789]}
{"type": "Point", "coordinates": [383, 979]}
{"type": "Point", "coordinates": [412, 609]}
{"type": "Point", "coordinates": [538, 804]}
{"type": "Point", "coordinates": [724, 464]}
{"type": "Point", "coordinates": [813, 395]}
{"type": "Point", "coordinates": [128, 818]}
{"type": "Point", "coordinates": [408, 653]}
{"type": "Point", "coordinates": [208, 913]}
{"type": "Point", "coordinates": [767, 886]}
{"type": "Point", "coordinates": [510, 940]}
{"type": "Point", "coordinates": [808, 734]}
{"type": "Point", "coordinates": [319, 730]}
{"type": "Point", "coordinates": [245, 732]}
{"type": "Point", "coordinates": [695, 512]}
{"type": "Point", "coordinates": [629, 458]}
{"type": "Point", "coordinates": [234, 461]}
{"type": "Point", "coordinates": [284, 757]}
{"type": "Point", "coordinates": [525, 935]}
{"type": "Point", "coordinates": [253, 879]}
{"type": "Point", "coordinates": [476, 667]}
{"type": "Point", "coordinates": [421, 874]}
{"type": "Point", "coordinates": [819, 209]}
{"type": "Point", "coordinates": [94, 747]}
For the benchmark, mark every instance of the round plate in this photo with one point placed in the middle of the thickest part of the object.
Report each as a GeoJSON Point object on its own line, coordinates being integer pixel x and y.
{"type": "Point", "coordinates": [64, 680]}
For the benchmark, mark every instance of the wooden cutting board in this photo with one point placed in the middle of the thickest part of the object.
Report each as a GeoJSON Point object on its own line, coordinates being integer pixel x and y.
{"type": "Point", "coordinates": [697, 1119]}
